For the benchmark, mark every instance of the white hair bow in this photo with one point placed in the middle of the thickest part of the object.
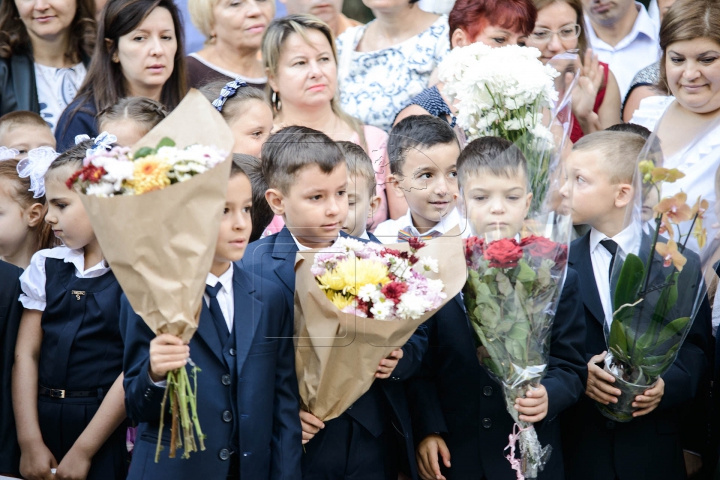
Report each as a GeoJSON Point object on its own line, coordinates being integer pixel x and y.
{"type": "Point", "coordinates": [102, 142]}
{"type": "Point", "coordinates": [36, 166]}
{"type": "Point", "coordinates": [8, 153]}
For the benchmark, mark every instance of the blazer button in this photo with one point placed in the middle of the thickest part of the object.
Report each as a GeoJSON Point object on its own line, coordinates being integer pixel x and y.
{"type": "Point", "coordinates": [227, 416]}
{"type": "Point", "coordinates": [488, 391]}
{"type": "Point", "coordinates": [610, 424]}
{"type": "Point", "coordinates": [224, 454]}
{"type": "Point", "coordinates": [232, 352]}
{"type": "Point", "coordinates": [486, 423]}
{"type": "Point", "coordinates": [225, 379]}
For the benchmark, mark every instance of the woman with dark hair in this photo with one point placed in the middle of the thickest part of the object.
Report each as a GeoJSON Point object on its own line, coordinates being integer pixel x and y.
{"type": "Point", "coordinates": [45, 46]}
{"type": "Point", "coordinates": [495, 23]}
{"type": "Point", "coordinates": [143, 57]}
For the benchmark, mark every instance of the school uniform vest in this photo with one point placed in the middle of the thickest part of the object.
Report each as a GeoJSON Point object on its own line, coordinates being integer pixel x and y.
{"type": "Point", "coordinates": [81, 351]}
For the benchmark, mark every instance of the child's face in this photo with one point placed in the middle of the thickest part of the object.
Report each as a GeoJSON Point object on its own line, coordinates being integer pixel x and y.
{"type": "Point", "coordinates": [429, 183]}
{"type": "Point", "coordinates": [128, 132]}
{"type": "Point", "coordinates": [236, 223]}
{"type": "Point", "coordinates": [315, 206]}
{"type": "Point", "coordinates": [27, 137]}
{"type": "Point", "coordinates": [66, 213]}
{"type": "Point", "coordinates": [496, 206]}
{"type": "Point", "coordinates": [588, 193]}
{"type": "Point", "coordinates": [360, 205]}
{"type": "Point", "coordinates": [252, 128]}
{"type": "Point", "coordinates": [650, 199]}
{"type": "Point", "coordinates": [14, 226]}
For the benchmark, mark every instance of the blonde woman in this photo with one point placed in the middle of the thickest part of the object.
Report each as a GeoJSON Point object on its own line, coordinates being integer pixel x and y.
{"type": "Point", "coordinates": [234, 30]}
{"type": "Point", "coordinates": [301, 65]}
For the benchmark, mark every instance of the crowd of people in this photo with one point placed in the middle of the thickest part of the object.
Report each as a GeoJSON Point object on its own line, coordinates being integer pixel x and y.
{"type": "Point", "coordinates": [339, 129]}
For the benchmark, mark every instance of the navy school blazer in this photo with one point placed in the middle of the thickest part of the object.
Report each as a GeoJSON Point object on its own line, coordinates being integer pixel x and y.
{"type": "Point", "coordinates": [648, 447]}
{"type": "Point", "coordinates": [273, 257]}
{"type": "Point", "coordinates": [453, 395]}
{"type": "Point", "coordinates": [267, 398]}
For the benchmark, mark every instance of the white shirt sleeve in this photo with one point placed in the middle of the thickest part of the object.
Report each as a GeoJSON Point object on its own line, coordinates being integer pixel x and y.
{"type": "Point", "coordinates": [32, 282]}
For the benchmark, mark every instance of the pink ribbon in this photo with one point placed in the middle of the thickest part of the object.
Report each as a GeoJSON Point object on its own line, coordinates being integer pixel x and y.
{"type": "Point", "coordinates": [515, 462]}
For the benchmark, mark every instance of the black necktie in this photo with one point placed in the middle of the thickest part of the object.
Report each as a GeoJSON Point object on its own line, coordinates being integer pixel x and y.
{"type": "Point", "coordinates": [611, 246]}
{"type": "Point", "coordinates": [216, 312]}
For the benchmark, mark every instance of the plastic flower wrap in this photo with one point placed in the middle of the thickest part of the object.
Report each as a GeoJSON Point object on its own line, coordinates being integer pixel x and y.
{"type": "Point", "coordinates": [657, 288]}
{"type": "Point", "coordinates": [356, 302]}
{"type": "Point", "coordinates": [156, 209]}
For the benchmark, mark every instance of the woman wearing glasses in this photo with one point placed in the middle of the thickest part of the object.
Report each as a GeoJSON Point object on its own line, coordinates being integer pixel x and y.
{"type": "Point", "coordinates": [596, 99]}
{"type": "Point", "coordinates": [495, 23]}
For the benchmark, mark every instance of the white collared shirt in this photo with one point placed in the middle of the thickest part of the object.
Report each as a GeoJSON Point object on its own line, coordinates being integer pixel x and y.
{"type": "Point", "coordinates": [636, 51]}
{"type": "Point", "coordinates": [33, 280]}
{"type": "Point", "coordinates": [387, 231]}
{"type": "Point", "coordinates": [628, 242]}
{"type": "Point", "coordinates": [225, 295]}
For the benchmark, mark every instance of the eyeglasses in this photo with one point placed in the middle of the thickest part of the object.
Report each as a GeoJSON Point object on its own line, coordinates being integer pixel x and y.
{"type": "Point", "coordinates": [568, 32]}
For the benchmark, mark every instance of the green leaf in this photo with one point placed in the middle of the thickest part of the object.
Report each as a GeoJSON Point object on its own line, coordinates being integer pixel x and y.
{"type": "Point", "coordinates": [525, 274]}
{"type": "Point", "coordinates": [165, 142]}
{"type": "Point", "coordinates": [503, 283]}
{"type": "Point", "coordinates": [629, 282]}
{"type": "Point", "coordinates": [519, 331]}
{"type": "Point", "coordinates": [504, 327]}
{"type": "Point", "coordinates": [671, 329]}
{"type": "Point", "coordinates": [618, 337]}
{"type": "Point", "coordinates": [143, 152]}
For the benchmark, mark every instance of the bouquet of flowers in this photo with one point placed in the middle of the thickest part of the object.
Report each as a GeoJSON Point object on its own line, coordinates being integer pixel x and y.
{"type": "Point", "coordinates": [160, 255]}
{"type": "Point", "coordinates": [368, 299]}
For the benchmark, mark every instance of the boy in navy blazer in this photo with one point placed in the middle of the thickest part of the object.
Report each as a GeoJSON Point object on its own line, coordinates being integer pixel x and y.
{"type": "Point", "coordinates": [458, 410]}
{"type": "Point", "coordinates": [600, 173]}
{"type": "Point", "coordinates": [372, 440]}
{"type": "Point", "coordinates": [247, 390]}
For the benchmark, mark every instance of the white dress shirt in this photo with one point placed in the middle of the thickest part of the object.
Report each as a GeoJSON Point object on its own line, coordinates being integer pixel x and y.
{"type": "Point", "coordinates": [636, 51]}
{"type": "Point", "coordinates": [225, 295]}
{"type": "Point", "coordinates": [33, 280]}
{"type": "Point", "coordinates": [387, 231]}
{"type": "Point", "coordinates": [628, 242]}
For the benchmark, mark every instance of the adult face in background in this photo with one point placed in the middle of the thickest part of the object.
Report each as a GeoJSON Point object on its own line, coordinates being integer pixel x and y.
{"type": "Point", "coordinates": [693, 74]}
{"type": "Point", "coordinates": [557, 30]}
{"type": "Point", "coordinates": [607, 12]}
{"type": "Point", "coordinates": [240, 24]}
{"type": "Point", "coordinates": [495, 23]}
{"type": "Point", "coordinates": [326, 10]}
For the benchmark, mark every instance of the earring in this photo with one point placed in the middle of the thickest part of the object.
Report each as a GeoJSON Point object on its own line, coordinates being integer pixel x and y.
{"type": "Point", "coordinates": [275, 100]}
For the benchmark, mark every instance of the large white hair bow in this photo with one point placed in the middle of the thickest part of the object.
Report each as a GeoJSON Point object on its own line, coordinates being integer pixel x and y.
{"type": "Point", "coordinates": [102, 142]}
{"type": "Point", "coordinates": [8, 153]}
{"type": "Point", "coordinates": [36, 166]}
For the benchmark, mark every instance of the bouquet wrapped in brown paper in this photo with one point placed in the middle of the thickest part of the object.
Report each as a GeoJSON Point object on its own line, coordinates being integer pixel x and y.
{"type": "Point", "coordinates": [156, 211]}
{"type": "Point", "coordinates": [355, 303]}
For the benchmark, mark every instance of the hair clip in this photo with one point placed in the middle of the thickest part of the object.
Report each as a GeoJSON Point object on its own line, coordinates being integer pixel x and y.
{"type": "Point", "coordinates": [102, 142]}
{"type": "Point", "coordinates": [8, 153]}
{"type": "Point", "coordinates": [36, 166]}
{"type": "Point", "coordinates": [228, 91]}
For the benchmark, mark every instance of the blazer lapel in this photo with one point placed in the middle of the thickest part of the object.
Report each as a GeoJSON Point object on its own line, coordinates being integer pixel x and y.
{"type": "Point", "coordinates": [208, 333]}
{"type": "Point", "coordinates": [284, 247]}
{"type": "Point", "coordinates": [248, 311]}
{"type": "Point", "coordinates": [582, 263]}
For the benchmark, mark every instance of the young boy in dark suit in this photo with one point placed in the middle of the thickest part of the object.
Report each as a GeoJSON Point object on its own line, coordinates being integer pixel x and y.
{"type": "Point", "coordinates": [458, 410]}
{"type": "Point", "coordinates": [247, 390]}
{"type": "Point", "coordinates": [307, 176]}
{"type": "Point", "coordinates": [600, 182]}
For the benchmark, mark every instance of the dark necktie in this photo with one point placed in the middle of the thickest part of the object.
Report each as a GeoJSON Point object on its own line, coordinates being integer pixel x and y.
{"type": "Point", "coordinates": [216, 312]}
{"type": "Point", "coordinates": [404, 235]}
{"type": "Point", "coordinates": [611, 246]}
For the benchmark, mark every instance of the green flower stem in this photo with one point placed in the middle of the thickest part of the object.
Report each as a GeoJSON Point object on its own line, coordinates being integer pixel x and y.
{"type": "Point", "coordinates": [159, 446]}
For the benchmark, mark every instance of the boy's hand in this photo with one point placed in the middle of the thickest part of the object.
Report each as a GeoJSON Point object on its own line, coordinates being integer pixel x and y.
{"type": "Point", "coordinates": [311, 425]}
{"type": "Point", "coordinates": [648, 401]}
{"type": "Point", "coordinates": [75, 465]}
{"type": "Point", "coordinates": [599, 383]}
{"type": "Point", "coordinates": [534, 407]}
{"type": "Point", "coordinates": [167, 353]}
{"type": "Point", "coordinates": [388, 364]}
{"type": "Point", "coordinates": [427, 457]}
{"type": "Point", "coordinates": [36, 462]}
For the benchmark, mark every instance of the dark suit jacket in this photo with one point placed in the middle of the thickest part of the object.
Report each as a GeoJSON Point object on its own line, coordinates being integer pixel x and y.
{"type": "Point", "coordinates": [456, 397]}
{"type": "Point", "coordinates": [10, 314]}
{"type": "Point", "coordinates": [266, 407]}
{"type": "Point", "coordinates": [273, 258]}
{"type": "Point", "coordinates": [76, 121]}
{"type": "Point", "coordinates": [647, 447]}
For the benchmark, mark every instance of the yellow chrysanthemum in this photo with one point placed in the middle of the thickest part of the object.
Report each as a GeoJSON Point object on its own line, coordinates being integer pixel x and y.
{"type": "Point", "coordinates": [340, 301]}
{"type": "Point", "coordinates": [350, 275]}
{"type": "Point", "coordinates": [150, 173]}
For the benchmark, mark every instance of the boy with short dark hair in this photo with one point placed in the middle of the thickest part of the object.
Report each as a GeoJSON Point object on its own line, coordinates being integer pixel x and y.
{"type": "Point", "coordinates": [307, 176]}
{"type": "Point", "coordinates": [423, 152]}
{"type": "Point", "coordinates": [600, 173]}
{"type": "Point", "coordinates": [459, 409]}
{"type": "Point", "coordinates": [363, 200]}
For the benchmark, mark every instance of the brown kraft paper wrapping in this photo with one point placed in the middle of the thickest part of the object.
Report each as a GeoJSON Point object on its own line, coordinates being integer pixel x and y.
{"type": "Point", "coordinates": [337, 354]}
{"type": "Point", "coordinates": [160, 245]}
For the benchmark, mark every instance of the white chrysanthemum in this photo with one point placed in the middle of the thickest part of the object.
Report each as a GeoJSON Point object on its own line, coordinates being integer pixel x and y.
{"type": "Point", "coordinates": [381, 310]}
{"type": "Point", "coordinates": [411, 307]}
{"type": "Point", "coordinates": [101, 189]}
{"type": "Point", "coordinates": [426, 264]}
{"type": "Point", "coordinates": [368, 292]}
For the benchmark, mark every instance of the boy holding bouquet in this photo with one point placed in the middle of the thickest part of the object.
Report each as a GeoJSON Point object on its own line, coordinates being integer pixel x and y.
{"type": "Point", "coordinates": [459, 411]}
{"type": "Point", "coordinates": [600, 176]}
{"type": "Point", "coordinates": [247, 390]}
{"type": "Point", "coordinates": [307, 176]}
